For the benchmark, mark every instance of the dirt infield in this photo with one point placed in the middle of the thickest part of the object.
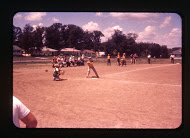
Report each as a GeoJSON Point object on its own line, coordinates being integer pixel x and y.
{"type": "Point", "coordinates": [135, 96]}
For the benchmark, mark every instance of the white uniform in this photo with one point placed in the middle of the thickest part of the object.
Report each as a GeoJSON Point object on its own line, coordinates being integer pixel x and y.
{"type": "Point", "coordinates": [19, 111]}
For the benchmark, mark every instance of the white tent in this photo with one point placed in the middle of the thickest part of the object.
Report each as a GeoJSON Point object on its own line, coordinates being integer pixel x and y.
{"type": "Point", "coordinates": [44, 49]}
{"type": "Point", "coordinates": [69, 51]}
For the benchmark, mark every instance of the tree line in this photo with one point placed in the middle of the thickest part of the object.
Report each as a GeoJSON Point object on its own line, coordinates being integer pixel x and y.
{"type": "Point", "coordinates": [58, 36]}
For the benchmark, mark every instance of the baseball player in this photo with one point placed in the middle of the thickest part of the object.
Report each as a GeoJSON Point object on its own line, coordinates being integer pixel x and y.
{"type": "Point", "coordinates": [90, 66]}
{"type": "Point", "coordinates": [57, 72]}
{"type": "Point", "coordinates": [108, 60]}
{"type": "Point", "coordinates": [118, 59]}
{"type": "Point", "coordinates": [123, 60]}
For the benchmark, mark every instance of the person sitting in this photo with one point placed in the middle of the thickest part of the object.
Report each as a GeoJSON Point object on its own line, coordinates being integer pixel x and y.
{"type": "Point", "coordinates": [82, 61]}
{"type": "Point", "coordinates": [62, 61]}
{"type": "Point", "coordinates": [67, 62]}
{"type": "Point", "coordinates": [71, 60]}
{"type": "Point", "coordinates": [59, 61]}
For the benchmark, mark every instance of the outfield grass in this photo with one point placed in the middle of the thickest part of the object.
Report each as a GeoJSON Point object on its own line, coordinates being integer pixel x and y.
{"type": "Point", "coordinates": [99, 61]}
{"type": "Point", "coordinates": [140, 61]}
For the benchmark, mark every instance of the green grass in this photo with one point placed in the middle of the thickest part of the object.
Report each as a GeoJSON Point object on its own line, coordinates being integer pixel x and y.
{"type": "Point", "coordinates": [141, 61]}
{"type": "Point", "coordinates": [100, 61]}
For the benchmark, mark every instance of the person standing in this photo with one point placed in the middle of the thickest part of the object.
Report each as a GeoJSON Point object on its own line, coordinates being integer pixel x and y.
{"type": "Point", "coordinates": [172, 58]}
{"type": "Point", "coordinates": [149, 56]}
{"type": "Point", "coordinates": [135, 58]}
{"type": "Point", "coordinates": [123, 59]}
{"type": "Point", "coordinates": [90, 66]}
{"type": "Point", "coordinates": [118, 59]}
{"type": "Point", "coordinates": [131, 56]}
{"type": "Point", "coordinates": [21, 112]}
{"type": "Point", "coordinates": [108, 60]}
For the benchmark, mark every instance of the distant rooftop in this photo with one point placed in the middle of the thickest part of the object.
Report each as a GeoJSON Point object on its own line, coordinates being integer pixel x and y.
{"type": "Point", "coordinates": [177, 52]}
{"type": "Point", "coordinates": [15, 47]}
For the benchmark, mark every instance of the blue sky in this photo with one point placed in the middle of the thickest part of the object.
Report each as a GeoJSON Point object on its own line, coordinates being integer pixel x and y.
{"type": "Point", "coordinates": [161, 28]}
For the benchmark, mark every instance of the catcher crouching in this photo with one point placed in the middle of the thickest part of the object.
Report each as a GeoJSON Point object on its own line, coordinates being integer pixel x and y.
{"type": "Point", "coordinates": [57, 72]}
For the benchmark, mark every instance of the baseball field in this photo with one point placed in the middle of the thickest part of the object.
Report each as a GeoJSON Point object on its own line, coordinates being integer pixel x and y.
{"type": "Point", "coordinates": [134, 96]}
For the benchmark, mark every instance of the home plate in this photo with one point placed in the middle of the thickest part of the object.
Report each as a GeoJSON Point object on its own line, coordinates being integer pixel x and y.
{"type": "Point", "coordinates": [94, 77]}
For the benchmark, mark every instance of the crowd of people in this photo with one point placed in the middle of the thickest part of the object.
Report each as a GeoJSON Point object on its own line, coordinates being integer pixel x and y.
{"type": "Point", "coordinates": [63, 61]}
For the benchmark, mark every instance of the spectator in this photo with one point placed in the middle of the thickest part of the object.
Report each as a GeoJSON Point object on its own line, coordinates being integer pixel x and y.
{"type": "Point", "coordinates": [172, 58]}
{"type": "Point", "coordinates": [54, 61]}
{"type": "Point", "coordinates": [131, 56]}
{"type": "Point", "coordinates": [21, 112]}
{"type": "Point", "coordinates": [149, 56]}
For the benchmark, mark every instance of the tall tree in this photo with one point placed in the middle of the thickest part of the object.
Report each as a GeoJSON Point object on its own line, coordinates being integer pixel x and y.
{"type": "Point", "coordinates": [38, 36]}
{"type": "Point", "coordinates": [53, 36]}
{"type": "Point", "coordinates": [132, 35]}
{"type": "Point", "coordinates": [88, 40]}
{"type": "Point", "coordinates": [75, 38]}
{"type": "Point", "coordinates": [164, 51]}
{"type": "Point", "coordinates": [96, 39]}
{"type": "Point", "coordinates": [26, 38]}
{"type": "Point", "coordinates": [118, 42]}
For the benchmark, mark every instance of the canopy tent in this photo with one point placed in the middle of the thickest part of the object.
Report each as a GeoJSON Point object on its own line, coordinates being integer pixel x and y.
{"type": "Point", "coordinates": [44, 49]}
{"type": "Point", "coordinates": [69, 51]}
{"type": "Point", "coordinates": [88, 51]}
